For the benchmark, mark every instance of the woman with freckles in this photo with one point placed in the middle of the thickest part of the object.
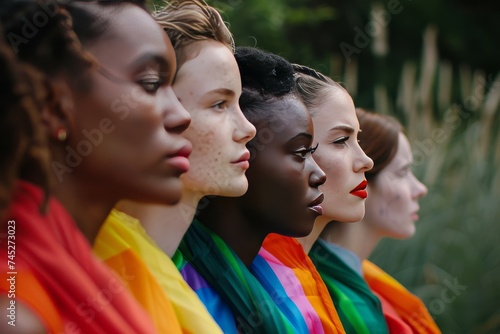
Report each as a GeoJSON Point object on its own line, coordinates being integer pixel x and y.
{"type": "Point", "coordinates": [221, 247]}
{"type": "Point", "coordinates": [208, 85]}
{"type": "Point", "coordinates": [391, 211]}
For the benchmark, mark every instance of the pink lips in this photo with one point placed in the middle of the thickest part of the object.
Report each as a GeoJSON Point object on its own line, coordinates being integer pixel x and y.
{"type": "Point", "coordinates": [179, 160]}
{"type": "Point", "coordinates": [360, 190]}
{"type": "Point", "coordinates": [243, 160]}
{"type": "Point", "coordinates": [315, 205]}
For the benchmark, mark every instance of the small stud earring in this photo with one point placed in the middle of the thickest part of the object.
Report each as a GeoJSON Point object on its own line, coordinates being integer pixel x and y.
{"type": "Point", "coordinates": [61, 134]}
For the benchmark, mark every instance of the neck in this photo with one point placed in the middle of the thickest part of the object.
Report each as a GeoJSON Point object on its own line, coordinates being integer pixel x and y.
{"type": "Point", "coordinates": [87, 206]}
{"type": "Point", "coordinates": [166, 225]}
{"type": "Point", "coordinates": [319, 225]}
{"type": "Point", "coordinates": [358, 237]}
{"type": "Point", "coordinates": [240, 231]}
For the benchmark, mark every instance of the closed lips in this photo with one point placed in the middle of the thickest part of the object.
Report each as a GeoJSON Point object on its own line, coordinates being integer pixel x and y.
{"type": "Point", "coordinates": [360, 190]}
{"type": "Point", "coordinates": [185, 152]}
{"type": "Point", "coordinates": [315, 205]}
{"type": "Point", "coordinates": [244, 157]}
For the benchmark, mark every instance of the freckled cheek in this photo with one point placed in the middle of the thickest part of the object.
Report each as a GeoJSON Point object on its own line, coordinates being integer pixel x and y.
{"type": "Point", "coordinates": [204, 148]}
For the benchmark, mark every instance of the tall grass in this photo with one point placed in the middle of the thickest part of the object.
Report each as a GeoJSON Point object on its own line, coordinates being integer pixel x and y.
{"type": "Point", "coordinates": [452, 116]}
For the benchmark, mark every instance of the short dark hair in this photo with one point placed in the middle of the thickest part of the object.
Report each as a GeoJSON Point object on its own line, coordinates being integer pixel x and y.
{"type": "Point", "coordinates": [265, 77]}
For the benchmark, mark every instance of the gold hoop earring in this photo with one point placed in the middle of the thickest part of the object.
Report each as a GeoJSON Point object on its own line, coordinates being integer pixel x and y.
{"type": "Point", "coordinates": [61, 134]}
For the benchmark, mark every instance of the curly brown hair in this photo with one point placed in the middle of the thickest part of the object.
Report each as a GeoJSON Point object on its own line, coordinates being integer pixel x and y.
{"type": "Point", "coordinates": [29, 59]}
{"type": "Point", "coordinates": [24, 151]}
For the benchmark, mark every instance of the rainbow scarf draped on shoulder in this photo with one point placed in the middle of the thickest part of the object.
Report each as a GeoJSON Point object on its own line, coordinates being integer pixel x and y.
{"type": "Point", "coordinates": [219, 310]}
{"type": "Point", "coordinates": [408, 306]}
{"type": "Point", "coordinates": [58, 277]}
{"type": "Point", "coordinates": [251, 305]}
{"type": "Point", "coordinates": [359, 309]}
{"type": "Point", "coordinates": [124, 246]}
{"type": "Point", "coordinates": [289, 266]}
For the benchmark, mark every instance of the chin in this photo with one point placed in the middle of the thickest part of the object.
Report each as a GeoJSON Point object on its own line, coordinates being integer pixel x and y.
{"type": "Point", "coordinates": [303, 230]}
{"type": "Point", "coordinates": [236, 188]}
{"type": "Point", "coordinates": [402, 235]}
{"type": "Point", "coordinates": [167, 194]}
{"type": "Point", "coordinates": [352, 216]}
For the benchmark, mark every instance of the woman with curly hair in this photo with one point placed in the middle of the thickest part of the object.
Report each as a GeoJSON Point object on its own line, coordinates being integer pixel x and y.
{"type": "Point", "coordinates": [105, 100]}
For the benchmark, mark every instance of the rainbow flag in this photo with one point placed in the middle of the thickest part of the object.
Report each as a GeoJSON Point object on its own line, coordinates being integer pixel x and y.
{"type": "Point", "coordinates": [58, 277]}
{"type": "Point", "coordinates": [296, 286]}
{"type": "Point", "coordinates": [152, 277]}
{"type": "Point", "coordinates": [410, 309]}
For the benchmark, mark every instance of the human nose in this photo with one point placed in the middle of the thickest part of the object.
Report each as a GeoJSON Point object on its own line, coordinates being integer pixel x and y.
{"type": "Point", "coordinates": [244, 131]}
{"type": "Point", "coordinates": [176, 118]}
{"type": "Point", "coordinates": [362, 162]}
{"type": "Point", "coordinates": [317, 176]}
{"type": "Point", "coordinates": [419, 189]}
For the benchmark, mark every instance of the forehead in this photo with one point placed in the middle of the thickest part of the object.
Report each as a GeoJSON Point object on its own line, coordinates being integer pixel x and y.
{"type": "Point", "coordinates": [337, 108]}
{"type": "Point", "coordinates": [132, 32]}
{"type": "Point", "coordinates": [403, 154]}
{"type": "Point", "coordinates": [285, 118]}
{"type": "Point", "coordinates": [209, 62]}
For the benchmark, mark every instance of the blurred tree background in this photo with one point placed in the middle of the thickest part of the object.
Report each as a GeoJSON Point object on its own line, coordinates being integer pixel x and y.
{"type": "Point", "coordinates": [435, 66]}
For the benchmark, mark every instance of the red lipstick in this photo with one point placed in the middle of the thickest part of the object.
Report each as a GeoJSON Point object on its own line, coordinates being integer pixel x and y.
{"type": "Point", "coordinates": [360, 190]}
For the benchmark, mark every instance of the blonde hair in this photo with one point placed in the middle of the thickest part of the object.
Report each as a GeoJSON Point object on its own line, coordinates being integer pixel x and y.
{"type": "Point", "coordinates": [188, 21]}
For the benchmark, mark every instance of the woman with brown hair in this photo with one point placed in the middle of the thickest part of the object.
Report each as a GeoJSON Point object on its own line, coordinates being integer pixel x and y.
{"type": "Point", "coordinates": [106, 99]}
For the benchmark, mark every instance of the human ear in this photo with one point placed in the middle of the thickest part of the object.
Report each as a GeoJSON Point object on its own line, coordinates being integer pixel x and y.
{"type": "Point", "coordinates": [57, 113]}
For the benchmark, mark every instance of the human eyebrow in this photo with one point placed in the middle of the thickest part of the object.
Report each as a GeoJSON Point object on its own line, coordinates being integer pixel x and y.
{"type": "Point", "coordinates": [303, 134]}
{"type": "Point", "coordinates": [150, 58]}
{"type": "Point", "coordinates": [342, 127]}
{"type": "Point", "coordinates": [221, 91]}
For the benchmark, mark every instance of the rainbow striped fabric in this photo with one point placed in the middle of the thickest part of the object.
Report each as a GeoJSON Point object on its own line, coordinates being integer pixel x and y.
{"type": "Point", "coordinates": [359, 309]}
{"type": "Point", "coordinates": [220, 267]}
{"type": "Point", "coordinates": [293, 282]}
{"type": "Point", "coordinates": [58, 277]}
{"type": "Point", "coordinates": [218, 309]}
{"type": "Point", "coordinates": [410, 309]}
{"type": "Point", "coordinates": [124, 246]}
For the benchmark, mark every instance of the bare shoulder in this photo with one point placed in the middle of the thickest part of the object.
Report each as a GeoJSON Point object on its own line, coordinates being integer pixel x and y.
{"type": "Point", "coordinates": [19, 320]}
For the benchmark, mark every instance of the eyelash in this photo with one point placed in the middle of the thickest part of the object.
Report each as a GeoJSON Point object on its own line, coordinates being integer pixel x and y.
{"type": "Point", "coordinates": [154, 81]}
{"type": "Point", "coordinates": [404, 172]}
{"type": "Point", "coordinates": [303, 153]}
{"type": "Point", "coordinates": [220, 105]}
{"type": "Point", "coordinates": [341, 141]}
